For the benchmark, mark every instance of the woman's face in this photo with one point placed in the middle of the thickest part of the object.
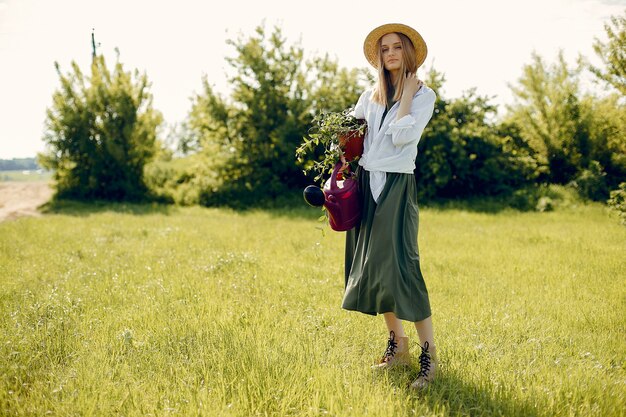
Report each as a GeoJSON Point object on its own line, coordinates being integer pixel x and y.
{"type": "Point", "coordinates": [391, 49]}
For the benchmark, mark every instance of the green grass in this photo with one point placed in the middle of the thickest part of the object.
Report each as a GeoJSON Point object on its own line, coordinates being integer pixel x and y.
{"type": "Point", "coordinates": [25, 175]}
{"type": "Point", "coordinates": [155, 310]}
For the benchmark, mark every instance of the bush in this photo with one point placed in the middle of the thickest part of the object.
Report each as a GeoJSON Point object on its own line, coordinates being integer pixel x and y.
{"type": "Point", "coordinates": [181, 180]}
{"type": "Point", "coordinates": [252, 135]}
{"type": "Point", "coordinates": [617, 202]}
{"type": "Point", "coordinates": [543, 197]}
{"type": "Point", "coordinates": [463, 154]}
{"type": "Point", "coordinates": [591, 183]}
{"type": "Point", "coordinates": [545, 204]}
{"type": "Point", "coordinates": [101, 132]}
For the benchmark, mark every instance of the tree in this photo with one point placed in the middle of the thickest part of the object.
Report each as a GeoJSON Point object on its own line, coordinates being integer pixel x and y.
{"type": "Point", "coordinates": [608, 129]}
{"type": "Point", "coordinates": [249, 139]}
{"type": "Point", "coordinates": [100, 132]}
{"type": "Point", "coordinates": [613, 54]}
{"type": "Point", "coordinates": [607, 132]}
{"type": "Point", "coordinates": [462, 154]}
{"type": "Point", "coordinates": [551, 117]}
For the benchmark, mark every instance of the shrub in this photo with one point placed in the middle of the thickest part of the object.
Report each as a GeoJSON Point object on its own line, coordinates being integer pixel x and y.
{"type": "Point", "coordinates": [181, 180]}
{"type": "Point", "coordinates": [543, 197]}
{"type": "Point", "coordinates": [101, 132]}
{"type": "Point", "coordinates": [617, 202]}
{"type": "Point", "coordinates": [591, 183]}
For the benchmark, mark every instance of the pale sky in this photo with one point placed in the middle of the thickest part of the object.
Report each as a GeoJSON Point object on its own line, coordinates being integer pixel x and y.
{"type": "Point", "coordinates": [476, 43]}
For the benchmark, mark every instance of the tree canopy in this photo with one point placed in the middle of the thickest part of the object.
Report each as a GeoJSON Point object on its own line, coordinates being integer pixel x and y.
{"type": "Point", "coordinates": [613, 54]}
{"type": "Point", "coordinates": [100, 132]}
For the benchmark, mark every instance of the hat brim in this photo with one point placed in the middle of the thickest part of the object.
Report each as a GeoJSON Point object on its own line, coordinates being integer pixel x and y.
{"type": "Point", "coordinates": [370, 46]}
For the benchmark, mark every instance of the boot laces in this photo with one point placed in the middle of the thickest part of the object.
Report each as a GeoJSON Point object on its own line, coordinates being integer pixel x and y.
{"type": "Point", "coordinates": [392, 346]}
{"type": "Point", "coordinates": [424, 362]}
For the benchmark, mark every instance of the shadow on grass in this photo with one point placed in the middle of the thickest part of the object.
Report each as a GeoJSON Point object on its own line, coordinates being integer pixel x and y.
{"type": "Point", "coordinates": [456, 396]}
{"type": "Point", "coordinates": [549, 198]}
{"type": "Point", "coordinates": [292, 205]}
{"type": "Point", "coordinates": [539, 197]}
{"type": "Point", "coordinates": [478, 205]}
{"type": "Point", "coordinates": [86, 208]}
{"type": "Point", "coordinates": [282, 207]}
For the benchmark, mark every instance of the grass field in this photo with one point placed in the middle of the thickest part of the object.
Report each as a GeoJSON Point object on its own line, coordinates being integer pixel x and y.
{"type": "Point", "coordinates": [155, 310]}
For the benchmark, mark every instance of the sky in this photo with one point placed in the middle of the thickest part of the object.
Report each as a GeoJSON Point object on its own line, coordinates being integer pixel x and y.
{"type": "Point", "coordinates": [475, 43]}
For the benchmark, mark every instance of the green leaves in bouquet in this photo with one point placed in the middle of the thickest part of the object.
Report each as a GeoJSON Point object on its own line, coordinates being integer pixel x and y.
{"type": "Point", "coordinates": [320, 150]}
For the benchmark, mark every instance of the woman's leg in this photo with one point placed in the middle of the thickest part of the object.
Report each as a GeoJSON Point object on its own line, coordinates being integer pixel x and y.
{"type": "Point", "coordinates": [394, 324]}
{"type": "Point", "coordinates": [428, 356]}
{"type": "Point", "coordinates": [425, 332]}
{"type": "Point", "coordinates": [397, 352]}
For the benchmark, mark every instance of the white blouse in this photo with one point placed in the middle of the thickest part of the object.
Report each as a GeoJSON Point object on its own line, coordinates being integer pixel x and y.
{"type": "Point", "coordinates": [392, 147]}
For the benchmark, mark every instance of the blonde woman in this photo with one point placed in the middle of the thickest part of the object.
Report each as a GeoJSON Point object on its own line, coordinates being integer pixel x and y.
{"type": "Point", "coordinates": [382, 264]}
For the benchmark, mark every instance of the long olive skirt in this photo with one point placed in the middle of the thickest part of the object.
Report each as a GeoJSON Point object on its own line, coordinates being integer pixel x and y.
{"type": "Point", "coordinates": [382, 265]}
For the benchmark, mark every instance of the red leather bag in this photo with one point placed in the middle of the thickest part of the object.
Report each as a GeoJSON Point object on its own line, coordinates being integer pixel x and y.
{"type": "Point", "coordinates": [342, 201]}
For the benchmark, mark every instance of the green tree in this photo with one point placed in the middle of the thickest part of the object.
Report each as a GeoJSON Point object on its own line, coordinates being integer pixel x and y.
{"type": "Point", "coordinates": [250, 138]}
{"type": "Point", "coordinates": [608, 127]}
{"type": "Point", "coordinates": [101, 131]}
{"type": "Point", "coordinates": [551, 117]}
{"type": "Point", "coordinates": [613, 54]}
{"type": "Point", "coordinates": [462, 153]}
{"type": "Point", "coordinates": [607, 152]}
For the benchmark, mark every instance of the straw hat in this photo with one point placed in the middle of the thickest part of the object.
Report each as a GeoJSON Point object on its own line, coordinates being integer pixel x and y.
{"type": "Point", "coordinates": [370, 46]}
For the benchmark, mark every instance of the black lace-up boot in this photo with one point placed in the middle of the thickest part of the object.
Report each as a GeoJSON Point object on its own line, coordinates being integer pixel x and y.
{"type": "Point", "coordinates": [428, 367]}
{"type": "Point", "coordinates": [397, 352]}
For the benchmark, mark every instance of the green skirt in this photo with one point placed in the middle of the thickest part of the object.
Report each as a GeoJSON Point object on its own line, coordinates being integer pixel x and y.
{"type": "Point", "coordinates": [382, 267]}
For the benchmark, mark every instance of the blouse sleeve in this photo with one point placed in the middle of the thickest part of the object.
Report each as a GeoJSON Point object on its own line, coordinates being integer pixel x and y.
{"type": "Point", "coordinates": [361, 105]}
{"type": "Point", "coordinates": [409, 128]}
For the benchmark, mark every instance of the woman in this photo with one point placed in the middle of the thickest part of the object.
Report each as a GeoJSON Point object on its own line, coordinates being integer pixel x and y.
{"type": "Point", "coordinates": [382, 262]}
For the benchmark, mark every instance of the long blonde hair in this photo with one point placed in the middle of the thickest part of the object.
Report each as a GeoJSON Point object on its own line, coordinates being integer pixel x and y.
{"type": "Point", "coordinates": [384, 84]}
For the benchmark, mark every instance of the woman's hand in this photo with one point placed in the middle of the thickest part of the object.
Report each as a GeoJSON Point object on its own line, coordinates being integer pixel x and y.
{"type": "Point", "coordinates": [344, 163]}
{"type": "Point", "coordinates": [411, 85]}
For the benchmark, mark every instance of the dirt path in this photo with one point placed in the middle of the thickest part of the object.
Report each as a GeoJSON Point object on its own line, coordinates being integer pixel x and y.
{"type": "Point", "coordinates": [18, 199]}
